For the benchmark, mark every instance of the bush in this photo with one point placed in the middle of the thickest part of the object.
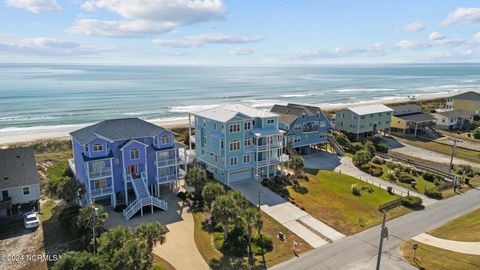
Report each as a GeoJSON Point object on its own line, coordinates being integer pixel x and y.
{"type": "Point", "coordinates": [356, 146]}
{"type": "Point", "coordinates": [376, 171]}
{"type": "Point", "coordinates": [476, 134]}
{"type": "Point", "coordinates": [393, 166]}
{"type": "Point", "coordinates": [261, 241]}
{"type": "Point", "coordinates": [343, 141]}
{"type": "Point", "coordinates": [68, 217]}
{"type": "Point", "coordinates": [433, 193]}
{"type": "Point", "coordinates": [439, 181]}
{"type": "Point", "coordinates": [406, 178]}
{"type": "Point", "coordinates": [430, 177]}
{"type": "Point", "coordinates": [355, 190]}
{"type": "Point", "coordinates": [365, 167]}
{"type": "Point", "coordinates": [392, 177]}
{"type": "Point", "coordinates": [361, 157]}
{"type": "Point", "coordinates": [375, 140]}
{"type": "Point", "coordinates": [382, 148]}
{"type": "Point", "coordinates": [56, 175]}
{"type": "Point", "coordinates": [378, 161]}
{"type": "Point", "coordinates": [411, 201]}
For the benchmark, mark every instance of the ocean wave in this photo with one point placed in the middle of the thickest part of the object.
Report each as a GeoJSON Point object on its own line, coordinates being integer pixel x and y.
{"type": "Point", "coordinates": [296, 95]}
{"type": "Point", "coordinates": [364, 90]}
{"type": "Point", "coordinates": [25, 118]}
{"type": "Point", "coordinates": [50, 128]}
{"type": "Point", "coordinates": [263, 103]}
{"type": "Point", "coordinates": [192, 108]}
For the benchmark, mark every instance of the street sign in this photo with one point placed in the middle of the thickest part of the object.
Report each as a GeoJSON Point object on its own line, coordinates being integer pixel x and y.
{"type": "Point", "coordinates": [415, 246]}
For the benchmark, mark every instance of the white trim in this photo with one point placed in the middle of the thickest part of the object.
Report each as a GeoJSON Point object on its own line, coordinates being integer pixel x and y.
{"type": "Point", "coordinates": [132, 141]}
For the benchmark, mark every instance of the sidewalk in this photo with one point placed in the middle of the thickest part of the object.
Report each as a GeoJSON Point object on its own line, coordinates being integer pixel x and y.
{"type": "Point", "coordinates": [347, 167]}
{"type": "Point", "coordinates": [472, 248]}
{"type": "Point", "coordinates": [310, 229]}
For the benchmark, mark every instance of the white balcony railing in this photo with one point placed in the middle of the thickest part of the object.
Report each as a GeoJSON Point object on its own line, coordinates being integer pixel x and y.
{"type": "Point", "coordinates": [270, 146]}
{"type": "Point", "coordinates": [100, 173]}
{"type": "Point", "coordinates": [269, 161]}
{"type": "Point", "coordinates": [167, 162]}
{"type": "Point", "coordinates": [101, 191]}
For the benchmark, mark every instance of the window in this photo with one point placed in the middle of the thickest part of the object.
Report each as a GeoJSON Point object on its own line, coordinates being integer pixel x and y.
{"type": "Point", "coordinates": [100, 183]}
{"type": "Point", "coordinates": [233, 161]}
{"type": "Point", "coordinates": [134, 154]}
{"type": "Point", "coordinates": [165, 139]}
{"type": "Point", "coordinates": [247, 125]}
{"type": "Point", "coordinates": [246, 159]}
{"type": "Point", "coordinates": [215, 126]}
{"type": "Point", "coordinates": [298, 127]}
{"type": "Point", "coordinates": [297, 139]}
{"type": "Point", "coordinates": [248, 141]}
{"type": "Point", "coordinates": [235, 145]}
{"type": "Point", "coordinates": [204, 123]}
{"type": "Point", "coordinates": [362, 117]}
{"type": "Point", "coordinates": [97, 147]}
{"type": "Point", "coordinates": [26, 191]}
{"type": "Point", "coordinates": [303, 115]}
{"type": "Point", "coordinates": [234, 128]}
{"type": "Point", "coordinates": [222, 143]}
{"type": "Point", "coordinates": [86, 148]}
{"type": "Point", "coordinates": [270, 121]}
{"type": "Point", "coordinates": [323, 123]}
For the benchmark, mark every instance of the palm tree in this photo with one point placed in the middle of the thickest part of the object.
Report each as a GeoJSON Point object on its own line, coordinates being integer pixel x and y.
{"type": "Point", "coordinates": [197, 177]}
{"type": "Point", "coordinates": [152, 233]}
{"type": "Point", "coordinates": [224, 211]}
{"type": "Point", "coordinates": [250, 217]}
{"type": "Point", "coordinates": [210, 192]}
{"type": "Point", "coordinates": [297, 164]}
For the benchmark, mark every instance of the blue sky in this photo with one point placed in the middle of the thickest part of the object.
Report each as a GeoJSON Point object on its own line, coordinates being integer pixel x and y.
{"type": "Point", "coordinates": [239, 32]}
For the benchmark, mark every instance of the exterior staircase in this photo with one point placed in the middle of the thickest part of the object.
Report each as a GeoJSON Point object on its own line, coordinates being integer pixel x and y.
{"type": "Point", "coordinates": [143, 197]}
{"type": "Point", "coordinates": [338, 148]}
{"type": "Point", "coordinates": [291, 151]}
{"type": "Point", "coordinates": [432, 133]}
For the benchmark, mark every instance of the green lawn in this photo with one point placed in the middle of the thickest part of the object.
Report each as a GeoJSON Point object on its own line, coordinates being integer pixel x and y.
{"type": "Point", "coordinates": [465, 228]}
{"type": "Point", "coordinates": [328, 197]}
{"type": "Point", "coordinates": [281, 249]}
{"type": "Point", "coordinates": [432, 258]}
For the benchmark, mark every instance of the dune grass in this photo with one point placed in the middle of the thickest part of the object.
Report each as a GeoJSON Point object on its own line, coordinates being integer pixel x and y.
{"type": "Point", "coordinates": [328, 197]}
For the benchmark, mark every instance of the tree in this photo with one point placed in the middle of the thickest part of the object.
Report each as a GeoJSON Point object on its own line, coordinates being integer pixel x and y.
{"type": "Point", "coordinates": [297, 164]}
{"type": "Point", "coordinates": [370, 147]}
{"type": "Point", "coordinates": [81, 261]}
{"type": "Point", "coordinates": [224, 211]}
{"type": "Point", "coordinates": [343, 140]}
{"type": "Point", "coordinates": [152, 233]}
{"type": "Point", "coordinates": [250, 217]}
{"type": "Point", "coordinates": [361, 157]}
{"type": "Point", "coordinates": [86, 220]}
{"type": "Point", "coordinates": [67, 189]}
{"type": "Point", "coordinates": [197, 178]}
{"type": "Point", "coordinates": [476, 133]}
{"type": "Point", "coordinates": [210, 192]}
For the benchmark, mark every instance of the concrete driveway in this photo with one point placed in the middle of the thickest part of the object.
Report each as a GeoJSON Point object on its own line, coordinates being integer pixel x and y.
{"type": "Point", "coordinates": [310, 229]}
{"type": "Point", "coordinates": [322, 160]}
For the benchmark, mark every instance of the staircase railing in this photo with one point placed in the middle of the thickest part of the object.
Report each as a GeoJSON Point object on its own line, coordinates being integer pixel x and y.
{"type": "Point", "coordinates": [132, 209]}
{"type": "Point", "coordinates": [336, 145]}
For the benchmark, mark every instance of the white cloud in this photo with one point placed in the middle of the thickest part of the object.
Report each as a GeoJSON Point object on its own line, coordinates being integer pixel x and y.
{"type": "Point", "coordinates": [35, 6]}
{"type": "Point", "coordinates": [195, 41]}
{"type": "Point", "coordinates": [47, 46]}
{"type": "Point", "coordinates": [476, 38]}
{"type": "Point", "coordinates": [243, 51]}
{"type": "Point", "coordinates": [411, 44]}
{"type": "Point", "coordinates": [147, 17]}
{"type": "Point", "coordinates": [462, 15]}
{"type": "Point", "coordinates": [372, 50]}
{"type": "Point", "coordinates": [413, 27]}
{"type": "Point", "coordinates": [436, 36]}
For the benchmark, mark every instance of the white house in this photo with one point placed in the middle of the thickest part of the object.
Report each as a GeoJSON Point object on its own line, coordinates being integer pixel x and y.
{"type": "Point", "coordinates": [19, 181]}
{"type": "Point", "coordinates": [453, 119]}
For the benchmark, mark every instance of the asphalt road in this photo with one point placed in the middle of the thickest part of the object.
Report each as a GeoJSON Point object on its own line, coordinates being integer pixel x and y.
{"type": "Point", "coordinates": [359, 251]}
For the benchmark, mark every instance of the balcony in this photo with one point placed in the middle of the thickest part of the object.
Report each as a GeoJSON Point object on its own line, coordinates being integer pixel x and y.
{"type": "Point", "coordinates": [101, 191]}
{"type": "Point", "coordinates": [107, 171]}
{"type": "Point", "coordinates": [170, 177]}
{"type": "Point", "coordinates": [310, 129]}
{"type": "Point", "coordinates": [167, 162]}
{"type": "Point", "coordinates": [266, 162]}
{"type": "Point", "coordinates": [270, 146]}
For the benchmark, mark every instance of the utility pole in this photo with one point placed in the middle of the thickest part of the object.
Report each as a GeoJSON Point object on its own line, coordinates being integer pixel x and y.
{"type": "Point", "coordinates": [95, 214]}
{"type": "Point", "coordinates": [383, 234]}
{"type": "Point", "coordinates": [257, 175]}
{"type": "Point", "coordinates": [455, 140]}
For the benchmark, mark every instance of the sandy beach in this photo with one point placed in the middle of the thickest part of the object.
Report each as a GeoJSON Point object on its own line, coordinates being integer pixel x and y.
{"type": "Point", "coordinates": [62, 132]}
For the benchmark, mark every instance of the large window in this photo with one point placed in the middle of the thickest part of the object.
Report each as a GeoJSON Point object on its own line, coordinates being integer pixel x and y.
{"type": "Point", "coordinates": [233, 161]}
{"type": "Point", "coordinates": [100, 183]}
{"type": "Point", "coordinates": [247, 125]}
{"type": "Point", "coordinates": [134, 154]}
{"type": "Point", "coordinates": [235, 145]}
{"type": "Point", "coordinates": [246, 159]}
{"type": "Point", "coordinates": [26, 191]}
{"type": "Point", "coordinates": [97, 147]}
{"type": "Point", "coordinates": [165, 139]}
{"type": "Point", "coordinates": [234, 128]}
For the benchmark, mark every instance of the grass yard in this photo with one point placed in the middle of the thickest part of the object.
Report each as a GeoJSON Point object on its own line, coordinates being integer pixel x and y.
{"type": "Point", "coordinates": [469, 155]}
{"type": "Point", "coordinates": [432, 258]}
{"type": "Point", "coordinates": [465, 228]}
{"type": "Point", "coordinates": [328, 197]}
{"type": "Point", "coordinates": [420, 187]}
{"type": "Point", "coordinates": [282, 250]}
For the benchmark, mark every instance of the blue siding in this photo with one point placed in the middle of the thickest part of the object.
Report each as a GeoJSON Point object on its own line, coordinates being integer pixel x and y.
{"type": "Point", "coordinates": [306, 134]}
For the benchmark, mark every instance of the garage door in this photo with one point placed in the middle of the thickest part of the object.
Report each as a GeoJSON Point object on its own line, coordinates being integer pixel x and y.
{"type": "Point", "coordinates": [240, 175]}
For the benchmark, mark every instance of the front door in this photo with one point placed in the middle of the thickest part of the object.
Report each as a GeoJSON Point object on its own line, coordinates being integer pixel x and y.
{"type": "Point", "coordinates": [133, 169]}
{"type": "Point", "coordinates": [5, 194]}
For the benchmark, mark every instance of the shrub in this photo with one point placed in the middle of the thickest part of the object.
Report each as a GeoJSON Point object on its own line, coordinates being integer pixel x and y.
{"type": "Point", "coordinates": [68, 217]}
{"type": "Point", "coordinates": [361, 157]}
{"type": "Point", "coordinates": [343, 141]}
{"type": "Point", "coordinates": [365, 167]}
{"type": "Point", "coordinates": [369, 189]}
{"type": "Point", "coordinates": [391, 176]}
{"type": "Point", "coordinates": [393, 165]}
{"type": "Point", "coordinates": [411, 201]}
{"type": "Point", "coordinates": [406, 178]}
{"type": "Point", "coordinates": [56, 175]}
{"type": "Point", "coordinates": [439, 181]}
{"type": "Point", "coordinates": [378, 161]}
{"type": "Point", "coordinates": [376, 171]}
{"type": "Point", "coordinates": [370, 147]}
{"type": "Point", "coordinates": [261, 241]}
{"type": "Point", "coordinates": [356, 146]}
{"type": "Point", "coordinates": [430, 177]}
{"type": "Point", "coordinates": [382, 148]}
{"type": "Point", "coordinates": [374, 140]}
{"type": "Point", "coordinates": [355, 190]}
{"type": "Point", "coordinates": [433, 193]}
{"type": "Point", "coordinates": [476, 134]}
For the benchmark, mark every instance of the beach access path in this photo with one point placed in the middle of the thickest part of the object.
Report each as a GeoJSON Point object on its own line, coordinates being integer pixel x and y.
{"type": "Point", "coordinates": [472, 248]}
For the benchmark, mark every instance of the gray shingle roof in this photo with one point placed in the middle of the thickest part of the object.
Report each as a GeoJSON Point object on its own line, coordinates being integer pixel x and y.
{"type": "Point", "coordinates": [117, 129]}
{"type": "Point", "coordinates": [456, 114]}
{"type": "Point", "coordinates": [417, 117]}
{"type": "Point", "coordinates": [291, 112]}
{"type": "Point", "coordinates": [470, 95]}
{"type": "Point", "coordinates": [18, 168]}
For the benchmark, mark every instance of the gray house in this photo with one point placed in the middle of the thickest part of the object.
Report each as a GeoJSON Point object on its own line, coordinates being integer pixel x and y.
{"type": "Point", "coordinates": [19, 181]}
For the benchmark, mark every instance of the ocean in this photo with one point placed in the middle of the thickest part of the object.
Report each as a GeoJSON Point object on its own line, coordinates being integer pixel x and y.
{"type": "Point", "coordinates": [39, 95]}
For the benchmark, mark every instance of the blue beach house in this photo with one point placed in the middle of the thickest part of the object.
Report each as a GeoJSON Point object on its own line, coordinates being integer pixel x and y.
{"type": "Point", "coordinates": [128, 160]}
{"type": "Point", "coordinates": [237, 142]}
{"type": "Point", "coordinates": [304, 126]}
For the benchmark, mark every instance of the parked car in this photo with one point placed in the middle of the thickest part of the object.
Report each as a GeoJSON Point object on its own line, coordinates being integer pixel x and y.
{"type": "Point", "coordinates": [30, 220]}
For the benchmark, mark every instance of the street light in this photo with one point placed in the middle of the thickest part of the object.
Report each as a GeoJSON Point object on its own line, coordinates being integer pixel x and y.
{"type": "Point", "coordinates": [95, 215]}
{"type": "Point", "coordinates": [257, 176]}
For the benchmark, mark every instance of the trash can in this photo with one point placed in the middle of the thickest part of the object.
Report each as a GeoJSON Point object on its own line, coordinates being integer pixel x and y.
{"type": "Point", "coordinates": [390, 189]}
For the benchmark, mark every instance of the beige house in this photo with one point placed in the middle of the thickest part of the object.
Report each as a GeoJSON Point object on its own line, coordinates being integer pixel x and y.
{"type": "Point", "coordinates": [453, 119]}
{"type": "Point", "coordinates": [469, 101]}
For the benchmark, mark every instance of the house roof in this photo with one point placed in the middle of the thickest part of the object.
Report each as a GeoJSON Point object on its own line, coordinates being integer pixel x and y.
{"type": "Point", "coordinates": [225, 113]}
{"type": "Point", "coordinates": [470, 95]}
{"type": "Point", "coordinates": [291, 112]}
{"type": "Point", "coordinates": [456, 114]}
{"type": "Point", "coordinates": [117, 129]}
{"type": "Point", "coordinates": [18, 168]}
{"type": "Point", "coordinates": [369, 109]}
{"type": "Point", "coordinates": [416, 117]}
{"type": "Point", "coordinates": [405, 109]}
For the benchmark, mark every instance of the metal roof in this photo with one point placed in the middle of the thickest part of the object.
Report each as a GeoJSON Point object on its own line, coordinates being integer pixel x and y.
{"type": "Point", "coordinates": [225, 113]}
{"type": "Point", "coordinates": [117, 129]}
{"type": "Point", "coordinates": [369, 109]}
{"type": "Point", "coordinates": [417, 117]}
{"type": "Point", "coordinates": [470, 95]}
{"type": "Point", "coordinates": [405, 109]}
{"type": "Point", "coordinates": [18, 168]}
{"type": "Point", "coordinates": [456, 114]}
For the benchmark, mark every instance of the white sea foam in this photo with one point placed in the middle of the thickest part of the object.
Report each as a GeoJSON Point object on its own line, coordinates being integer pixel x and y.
{"type": "Point", "coordinates": [296, 95]}
{"type": "Point", "coordinates": [364, 90]}
{"type": "Point", "coordinates": [263, 103]}
{"type": "Point", "coordinates": [192, 108]}
{"type": "Point", "coordinates": [52, 128]}
{"type": "Point", "coordinates": [24, 117]}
